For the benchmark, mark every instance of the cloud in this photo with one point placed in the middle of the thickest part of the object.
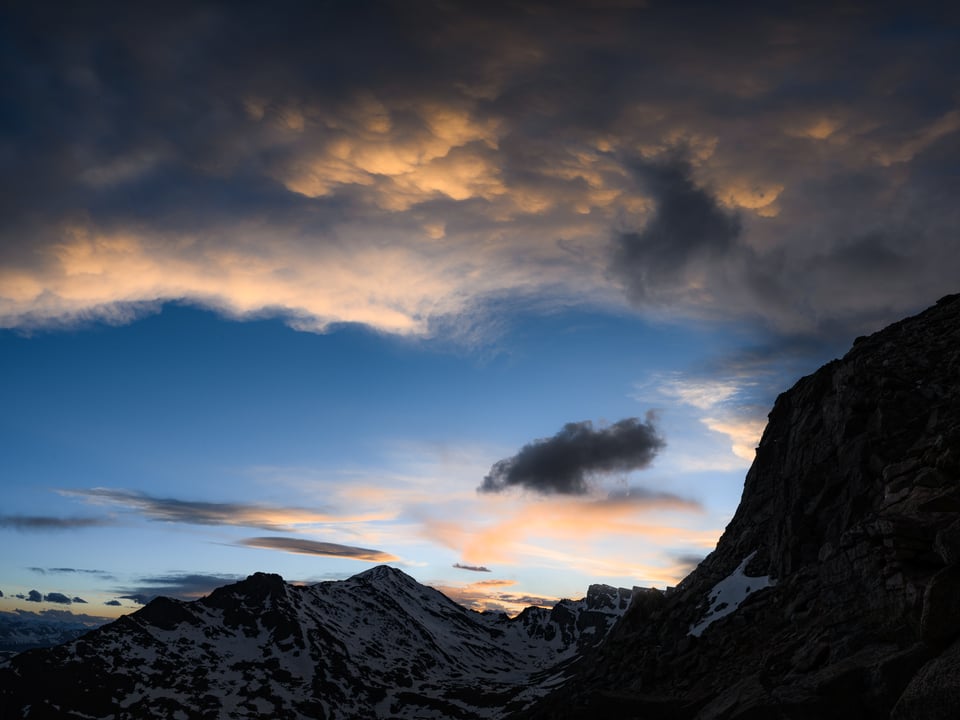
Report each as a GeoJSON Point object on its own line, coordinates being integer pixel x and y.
{"type": "Point", "coordinates": [65, 570]}
{"type": "Point", "coordinates": [208, 513]}
{"type": "Point", "coordinates": [688, 232]}
{"type": "Point", "coordinates": [564, 463]}
{"type": "Point", "coordinates": [184, 586]}
{"type": "Point", "coordinates": [725, 404]}
{"type": "Point", "coordinates": [474, 568]}
{"type": "Point", "coordinates": [56, 597]}
{"type": "Point", "coordinates": [312, 547]}
{"type": "Point", "coordinates": [34, 596]}
{"type": "Point", "coordinates": [113, 603]}
{"type": "Point", "coordinates": [495, 154]}
{"type": "Point", "coordinates": [39, 523]}
{"type": "Point", "coordinates": [79, 600]}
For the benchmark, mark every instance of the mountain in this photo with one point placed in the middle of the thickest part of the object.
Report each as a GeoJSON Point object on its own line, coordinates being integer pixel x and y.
{"type": "Point", "coordinates": [376, 645]}
{"type": "Point", "coordinates": [835, 590]}
{"type": "Point", "coordinates": [24, 630]}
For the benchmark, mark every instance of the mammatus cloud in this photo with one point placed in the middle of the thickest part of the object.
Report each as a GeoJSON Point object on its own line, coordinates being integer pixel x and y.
{"type": "Point", "coordinates": [39, 523]}
{"type": "Point", "coordinates": [483, 155]}
{"type": "Point", "coordinates": [563, 464]}
{"type": "Point", "coordinates": [209, 513]}
{"type": "Point", "coordinates": [312, 547]}
{"type": "Point", "coordinates": [474, 568]}
{"type": "Point", "coordinates": [687, 234]}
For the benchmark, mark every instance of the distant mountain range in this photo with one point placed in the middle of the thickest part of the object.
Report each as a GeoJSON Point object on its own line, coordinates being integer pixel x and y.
{"type": "Point", "coordinates": [376, 645]}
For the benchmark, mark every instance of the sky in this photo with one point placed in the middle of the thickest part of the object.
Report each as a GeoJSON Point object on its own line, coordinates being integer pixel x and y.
{"type": "Point", "coordinates": [497, 293]}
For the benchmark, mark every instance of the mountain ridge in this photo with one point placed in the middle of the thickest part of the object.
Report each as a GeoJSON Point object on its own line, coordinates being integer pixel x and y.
{"type": "Point", "coordinates": [378, 644]}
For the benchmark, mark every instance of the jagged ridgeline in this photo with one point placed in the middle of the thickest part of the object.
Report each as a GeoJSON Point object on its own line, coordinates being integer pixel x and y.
{"type": "Point", "coordinates": [833, 593]}
{"type": "Point", "coordinates": [376, 645]}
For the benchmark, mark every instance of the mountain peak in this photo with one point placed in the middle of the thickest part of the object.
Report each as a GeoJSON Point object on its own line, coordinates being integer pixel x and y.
{"type": "Point", "coordinates": [384, 573]}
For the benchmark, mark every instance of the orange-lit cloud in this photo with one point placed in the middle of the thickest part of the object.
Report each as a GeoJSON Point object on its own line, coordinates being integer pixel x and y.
{"type": "Point", "coordinates": [213, 513]}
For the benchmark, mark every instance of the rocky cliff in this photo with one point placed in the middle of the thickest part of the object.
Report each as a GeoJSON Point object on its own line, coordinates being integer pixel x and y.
{"type": "Point", "coordinates": [835, 590]}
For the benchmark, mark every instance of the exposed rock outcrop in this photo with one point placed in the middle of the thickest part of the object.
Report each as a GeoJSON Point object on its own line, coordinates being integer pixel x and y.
{"type": "Point", "coordinates": [850, 518]}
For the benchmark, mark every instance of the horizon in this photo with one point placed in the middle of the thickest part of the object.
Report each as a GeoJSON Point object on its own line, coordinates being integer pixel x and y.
{"type": "Point", "coordinates": [499, 296]}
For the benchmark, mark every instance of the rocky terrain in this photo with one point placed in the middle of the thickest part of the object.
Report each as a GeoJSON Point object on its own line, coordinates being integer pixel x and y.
{"type": "Point", "coordinates": [835, 590]}
{"type": "Point", "coordinates": [376, 645]}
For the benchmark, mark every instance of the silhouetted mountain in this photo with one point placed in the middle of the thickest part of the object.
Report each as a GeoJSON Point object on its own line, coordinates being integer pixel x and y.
{"type": "Point", "coordinates": [376, 645]}
{"type": "Point", "coordinates": [835, 590]}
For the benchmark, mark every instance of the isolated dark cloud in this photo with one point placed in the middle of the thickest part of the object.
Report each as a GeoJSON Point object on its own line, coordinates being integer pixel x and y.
{"type": "Point", "coordinates": [564, 463]}
{"type": "Point", "coordinates": [34, 596]}
{"type": "Point", "coordinates": [1, 593]}
{"type": "Point", "coordinates": [56, 597]}
{"type": "Point", "coordinates": [183, 586]}
{"type": "Point", "coordinates": [79, 600]}
{"type": "Point", "coordinates": [202, 513]}
{"type": "Point", "coordinates": [474, 568]}
{"type": "Point", "coordinates": [312, 547]}
{"type": "Point", "coordinates": [113, 603]}
{"type": "Point", "coordinates": [41, 523]}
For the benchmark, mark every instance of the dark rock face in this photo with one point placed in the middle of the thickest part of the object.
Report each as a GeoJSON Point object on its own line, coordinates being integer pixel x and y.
{"type": "Point", "coordinates": [851, 512]}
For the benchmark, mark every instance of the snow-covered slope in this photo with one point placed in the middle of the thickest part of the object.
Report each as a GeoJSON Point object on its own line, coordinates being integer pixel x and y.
{"type": "Point", "coordinates": [376, 645]}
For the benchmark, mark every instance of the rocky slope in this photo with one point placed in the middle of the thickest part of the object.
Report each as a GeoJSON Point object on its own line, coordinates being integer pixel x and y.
{"type": "Point", "coordinates": [835, 590]}
{"type": "Point", "coordinates": [376, 645]}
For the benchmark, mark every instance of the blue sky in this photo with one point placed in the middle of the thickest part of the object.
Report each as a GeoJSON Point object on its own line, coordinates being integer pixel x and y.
{"type": "Point", "coordinates": [500, 295]}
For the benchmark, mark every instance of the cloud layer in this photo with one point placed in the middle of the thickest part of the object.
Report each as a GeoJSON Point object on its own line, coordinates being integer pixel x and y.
{"type": "Point", "coordinates": [803, 179]}
{"type": "Point", "coordinates": [563, 464]}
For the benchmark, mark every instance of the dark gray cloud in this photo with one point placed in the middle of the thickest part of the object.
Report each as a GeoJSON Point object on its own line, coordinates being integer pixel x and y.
{"type": "Point", "coordinates": [474, 568]}
{"type": "Point", "coordinates": [313, 547]}
{"type": "Point", "coordinates": [113, 603]}
{"type": "Point", "coordinates": [688, 232]}
{"type": "Point", "coordinates": [564, 463]}
{"type": "Point", "coordinates": [41, 523]}
{"type": "Point", "coordinates": [184, 586]}
{"type": "Point", "coordinates": [56, 597]}
{"type": "Point", "coordinates": [79, 600]}
{"type": "Point", "coordinates": [34, 596]}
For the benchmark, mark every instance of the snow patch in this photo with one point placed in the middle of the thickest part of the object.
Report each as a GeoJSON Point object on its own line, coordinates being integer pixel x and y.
{"type": "Point", "coordinates": [727, 595]}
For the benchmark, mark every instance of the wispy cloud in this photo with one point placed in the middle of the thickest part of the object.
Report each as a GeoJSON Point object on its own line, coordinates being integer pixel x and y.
{"type": "Point", "coordinates": [41, 523]}
{"type": "Point", "coordinates": [473, 568]}
{"type": "Point", "coordinates": [301, 546]}
{"type": "Point", "coordinates": [211, 513]}
{"type": "Point", "coordinates": [725, 404]}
